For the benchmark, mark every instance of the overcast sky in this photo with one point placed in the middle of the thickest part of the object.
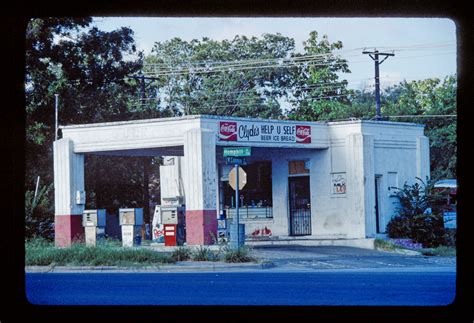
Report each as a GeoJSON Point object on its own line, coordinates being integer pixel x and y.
{"type": "Point", "coordinates": [429, 43]}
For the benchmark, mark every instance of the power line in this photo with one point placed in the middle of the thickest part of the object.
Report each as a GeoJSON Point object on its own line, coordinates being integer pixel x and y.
{"type": "Point", "coordinates": [281, 61]}
{"type": "Point", "coordinates": [250, 104]}
{"type": "Point", "coordinates": [321, 56]}
{"type": "Point", "coordinates": [330, 86]}
{"type": "Point", "coordinates": [426, 116]}
{"type": "Point", "coordinates": [262, 60]}
{"type": "Point", "coordinates": [236, 69]}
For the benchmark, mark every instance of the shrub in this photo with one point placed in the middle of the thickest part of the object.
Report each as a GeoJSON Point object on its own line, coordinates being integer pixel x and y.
{"type": "Point", "coordinates": [241, 254]}
{"type": "Point", "coordinates": [39, 215]}
{"type": "Point", "coordinates": [181, 254]}
{"type": "Point", "coordinates": [204, 254]}
{"type": "Point", "coordinates": [450, 237]}
{"type": "Point", "coordinates": [412, 220]}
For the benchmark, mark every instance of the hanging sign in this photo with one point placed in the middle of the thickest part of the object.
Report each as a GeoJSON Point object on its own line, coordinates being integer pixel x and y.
{"type": "Point", "coordinates": [243, 131]}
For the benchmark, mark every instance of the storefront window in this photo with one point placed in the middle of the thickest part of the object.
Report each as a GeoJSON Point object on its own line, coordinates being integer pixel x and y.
{"type": "Point", "coordinates": [256, 197]}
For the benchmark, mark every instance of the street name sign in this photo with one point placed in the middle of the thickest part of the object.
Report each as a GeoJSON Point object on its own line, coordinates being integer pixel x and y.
{"type": "Point", "coordinates": [237, 151]}
{"type": "Point", "coordinates": [235, 161]}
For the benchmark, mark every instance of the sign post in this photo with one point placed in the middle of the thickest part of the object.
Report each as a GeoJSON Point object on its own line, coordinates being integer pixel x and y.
{"type": "Point", "coordinates": [236, 168]}
{"type": "Point", "coordinates": [237, 182]}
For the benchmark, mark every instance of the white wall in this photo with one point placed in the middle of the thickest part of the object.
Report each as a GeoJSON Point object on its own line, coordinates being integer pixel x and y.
{"type": "Point", "coordinates": [68, 178]}
{"type": "Point", "coordinates": [357, 151]}
{"type": "Point", "coordinates": [370, 149]}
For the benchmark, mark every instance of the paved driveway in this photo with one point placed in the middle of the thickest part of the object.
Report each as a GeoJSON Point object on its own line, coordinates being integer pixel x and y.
{"type": "Point", "coordinates": [329, 257]}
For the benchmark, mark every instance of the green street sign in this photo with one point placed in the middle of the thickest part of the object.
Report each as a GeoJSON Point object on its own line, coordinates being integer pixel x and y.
{"type": "Point", "coordinates": [237, 151]}
{"type": "Point", "coordinates": [235, 160]}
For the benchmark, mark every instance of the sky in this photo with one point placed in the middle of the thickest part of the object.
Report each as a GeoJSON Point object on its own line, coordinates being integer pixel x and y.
{"type": "Point", "coordinates": [423, 47]}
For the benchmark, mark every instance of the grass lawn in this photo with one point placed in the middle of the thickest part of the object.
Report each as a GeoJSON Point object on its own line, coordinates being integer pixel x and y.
{"type": "Point", "coordinates": [443, 251]}
{"type": "Point", "coordinates": [40, 252]}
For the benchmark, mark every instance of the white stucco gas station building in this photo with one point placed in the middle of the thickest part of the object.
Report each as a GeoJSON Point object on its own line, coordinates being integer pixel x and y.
{"type": "Point", "coordinates": [304, 179]}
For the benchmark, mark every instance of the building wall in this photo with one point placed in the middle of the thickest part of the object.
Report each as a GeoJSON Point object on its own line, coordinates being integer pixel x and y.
{"type": "Point", "coordinates": [359, 152]}
{"type": "Point", "coordinates": [394, 152]}
{"type": "Point", "coordinates": [345, 158]}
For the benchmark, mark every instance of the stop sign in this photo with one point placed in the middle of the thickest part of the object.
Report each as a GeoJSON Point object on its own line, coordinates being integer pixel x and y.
{"type": "Point", "coordinates": [242, 178]}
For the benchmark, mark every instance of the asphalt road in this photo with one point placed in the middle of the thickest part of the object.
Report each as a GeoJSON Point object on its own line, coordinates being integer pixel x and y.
{"type": "Point", "coordinates": [243, 288]}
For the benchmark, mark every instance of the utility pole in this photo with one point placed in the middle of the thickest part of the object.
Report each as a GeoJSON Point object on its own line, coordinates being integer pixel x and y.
{"type": "Point", "coordinates": [145, 161]}
{"type": "Point", "coordinates": [375, 58]}
{"type": "Point", "coordinates": [56, 117]}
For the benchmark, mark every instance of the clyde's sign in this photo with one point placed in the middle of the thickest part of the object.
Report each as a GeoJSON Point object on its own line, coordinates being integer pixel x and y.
{"type": "Point", "coordinates": [263, 132]}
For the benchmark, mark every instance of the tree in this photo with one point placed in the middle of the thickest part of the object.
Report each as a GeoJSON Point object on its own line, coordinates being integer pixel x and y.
{"type": "Point", "coordinates": [88, 68]}
{"type": "Point", "coordinates": [430, 97]}
{"type": "Point", "coordinates": [240, 77]}
{"type": "Point", "coordinates": [318, 94]}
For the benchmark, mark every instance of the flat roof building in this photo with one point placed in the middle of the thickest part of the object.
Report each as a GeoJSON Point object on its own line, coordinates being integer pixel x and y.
{"type": "Point", "coordinates": [322, 180]}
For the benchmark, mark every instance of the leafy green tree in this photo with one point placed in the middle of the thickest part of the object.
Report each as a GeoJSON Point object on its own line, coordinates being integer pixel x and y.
{"type": "Point", "coordinates": [425, 98]}
{"type": "Point", "coordinates": [319, 94]}
{"type": "Point", "coordinates": [88, 69]}
{"type": "Point", "coordinates": [252, 77]}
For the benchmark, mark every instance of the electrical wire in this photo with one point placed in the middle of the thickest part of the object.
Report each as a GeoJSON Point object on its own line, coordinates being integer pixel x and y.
{"type": "Point", "coordinates": [322, 56]}
{"type": "Point", "coordinates": [330, 87]}
{"type": "Point", "coordinates": [253, 104]}
{"type": "Point", "coordinates": [425, 116]}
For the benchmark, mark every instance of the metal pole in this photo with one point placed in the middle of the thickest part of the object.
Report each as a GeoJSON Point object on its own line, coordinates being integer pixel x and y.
{"type": "Point", "coordinates": [237, 202]}
{"type": "Point", "coordinates": [143, 88]}
{"type": "Point", "coordinates": [36, 190]}
{"type": "Point", "coordinates": [56, 117]}
{"type": "Point", "coordinates": [377, 86]}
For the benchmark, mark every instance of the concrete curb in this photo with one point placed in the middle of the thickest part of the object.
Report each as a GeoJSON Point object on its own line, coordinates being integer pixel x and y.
{"type": "Point", "coordinates": [402, 251]}
{"type": "Point", "coordinates": [204, 266]}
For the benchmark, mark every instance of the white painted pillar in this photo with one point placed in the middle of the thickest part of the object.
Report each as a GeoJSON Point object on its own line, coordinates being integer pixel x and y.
{"type": "Point", "coordinates": [200, 186]}
{"type": "Point", "coordinates": [361, 181]}
{"type": "Point", "coordinates": [68, 180]}
{"type": "Point", "coordinates": [423, 157]}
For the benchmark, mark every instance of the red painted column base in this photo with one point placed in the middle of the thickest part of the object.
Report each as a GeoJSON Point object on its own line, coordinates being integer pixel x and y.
{"type": "Point", "coordinates": [201, 227]}
{"type": "Point", "coordinates": [68, 229]}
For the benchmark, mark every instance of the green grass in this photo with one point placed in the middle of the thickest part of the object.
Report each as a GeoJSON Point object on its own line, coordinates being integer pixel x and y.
{"type": "Point", "coordinates": [381, 244]}
{"type": "Point", "coordinates": [42, 253]}
{"type": "Point", "coordinates": [442, 251]}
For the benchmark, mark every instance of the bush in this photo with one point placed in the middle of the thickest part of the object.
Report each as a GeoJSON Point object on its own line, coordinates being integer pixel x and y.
{"type": "Point", "coordinates": [412, 221]}
{"type": "Point", "coordinates": [204, 254]}
{"type": "Point", "coordinates": [39, 215]}
{"type": "Point", "coordinates": [241, 254]}
{"type": "Point", "coordinates": [450, 237]}
{"type": "Point", "coordinates": [181, 254]}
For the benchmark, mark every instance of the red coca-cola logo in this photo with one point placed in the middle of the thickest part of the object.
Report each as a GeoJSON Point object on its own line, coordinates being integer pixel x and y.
{"type": "Point", "coordinates": [303, 134]}
{"type": "Point", "coordinates": [228, 131]}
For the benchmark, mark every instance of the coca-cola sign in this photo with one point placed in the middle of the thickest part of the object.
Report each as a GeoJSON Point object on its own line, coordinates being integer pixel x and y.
{"type": "Point", "coordinates": [247, 131]}
{"type": "Point", "coordinates": [228, 131]}
{"type": "Point", "coordinates": [303, 134]}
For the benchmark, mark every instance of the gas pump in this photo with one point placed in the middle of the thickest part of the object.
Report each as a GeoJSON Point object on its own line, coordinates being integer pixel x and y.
{"type": "Point", "coordinates": [169, 225]}
{"type": "Point", "coordinates": [93, 222]}
{"type": "Point", "coordinates": [130, 221]}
